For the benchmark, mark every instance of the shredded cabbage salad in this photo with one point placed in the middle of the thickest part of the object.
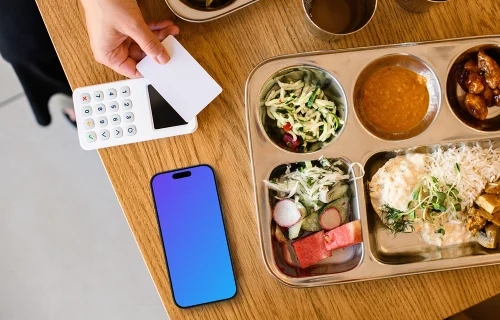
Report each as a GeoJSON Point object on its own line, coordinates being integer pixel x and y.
{"type": "Point", "coordinates": [310, 184]}
{"type": "Point", "coordinates": [303, 110]}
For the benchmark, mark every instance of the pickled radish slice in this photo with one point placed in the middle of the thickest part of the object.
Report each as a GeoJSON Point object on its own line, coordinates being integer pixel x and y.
{"type": "Point", "coordinates": [285, 213]}
{"type": "Point", "coordinates": [330, 219]}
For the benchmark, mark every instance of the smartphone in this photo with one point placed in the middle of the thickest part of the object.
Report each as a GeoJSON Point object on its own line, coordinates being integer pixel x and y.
{"type": "Point", "coordinates": [193, 235]}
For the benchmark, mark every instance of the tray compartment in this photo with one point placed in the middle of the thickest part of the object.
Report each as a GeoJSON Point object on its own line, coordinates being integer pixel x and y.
{"type": "Point", "coordinates": [409, 248]}
{"type": "Point", "coordinates": [342, 260]}
{"type": "Point", "coordinates": [327, 82]}
{"type": "Point", "coordinates": [456, 95]}
{"type": "Point", "coordinates": [414, 64]}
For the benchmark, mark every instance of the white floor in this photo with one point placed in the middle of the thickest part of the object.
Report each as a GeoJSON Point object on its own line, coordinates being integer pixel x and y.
{"type": "Point", "coordinates": [66, 251]}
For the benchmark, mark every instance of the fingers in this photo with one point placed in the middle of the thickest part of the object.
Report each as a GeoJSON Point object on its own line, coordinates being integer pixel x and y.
{"type": "Point", "coordinates": [158, 25]}
{"type": "Point", "coordinates": [136, 53]}
{"type": "Point", "coordinates": [165, 32]}
{"type": "Point", "coordinates": [148, 42]}
{"type": "Point", "coordinates": [127, 68]}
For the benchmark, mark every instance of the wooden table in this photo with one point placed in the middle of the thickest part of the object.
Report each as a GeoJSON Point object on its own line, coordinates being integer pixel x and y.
{"type": "Point", "coordinates": [229, 49]}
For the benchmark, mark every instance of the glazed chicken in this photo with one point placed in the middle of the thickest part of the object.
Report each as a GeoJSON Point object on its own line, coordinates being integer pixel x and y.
{"type": "Point", "coordinates": [496, 97]}
{"type": "Point", "coordinates": [476, 106]}
{"type": "Point", "coordinates": [490, 68]}
{"type": "Point", "coordinates": [487, 96]}
{"type": "Point", "coordinates": [475, 83]}
{"type": "Point", "coordinates": [481, 81]}
{"type": "Point", "coordinates": [472, 66]}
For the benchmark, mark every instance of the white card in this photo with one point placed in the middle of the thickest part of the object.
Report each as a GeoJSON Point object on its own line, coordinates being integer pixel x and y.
{"type": "Point", "coordinates": [186, 86]}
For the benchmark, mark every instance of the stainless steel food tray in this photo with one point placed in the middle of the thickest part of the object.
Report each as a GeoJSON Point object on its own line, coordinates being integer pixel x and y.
{"type": "Point", "coordinates": [192, 15]}
{"type": "Point", "coordinates": [356, 144]}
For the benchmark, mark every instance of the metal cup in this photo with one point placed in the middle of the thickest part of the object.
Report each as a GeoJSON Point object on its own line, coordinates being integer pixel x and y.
{"type": "Point", "coordinates": [315, 30]}
{"type": "Point", "coordinates": [419, 5]}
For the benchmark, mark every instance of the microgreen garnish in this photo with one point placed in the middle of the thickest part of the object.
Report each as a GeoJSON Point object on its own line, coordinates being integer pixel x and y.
{"type": "Point", "coordinates": [397, 220]}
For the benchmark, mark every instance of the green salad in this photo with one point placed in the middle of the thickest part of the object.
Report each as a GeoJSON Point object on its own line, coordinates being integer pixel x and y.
{"type": "Point", "coordinates": [304, 112]}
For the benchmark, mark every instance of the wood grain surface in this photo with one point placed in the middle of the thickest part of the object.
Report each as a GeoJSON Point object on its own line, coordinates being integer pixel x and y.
{"type": "Point", "coordinates": [229, 49]}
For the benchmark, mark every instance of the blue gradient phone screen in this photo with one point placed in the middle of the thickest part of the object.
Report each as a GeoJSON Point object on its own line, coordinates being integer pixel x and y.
{"type": "Point", "coordinates": [194, 239]}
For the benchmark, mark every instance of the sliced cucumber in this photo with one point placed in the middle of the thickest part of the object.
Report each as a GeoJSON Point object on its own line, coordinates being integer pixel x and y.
{"type": "Point", "coordinates": [311, 222]}
{"type": "Point", "coordinates": [313, 97]}
{"type": "Point", "coordinates": [302, 209]}
{"type": "Point", "coordinates": [342, 205]}
{"type": "Point", "coordinates": [306, 203]}
{"type": "Point", "coordinates": [294, 231]}
{"type": "Point", "coordinates": [338, 191]}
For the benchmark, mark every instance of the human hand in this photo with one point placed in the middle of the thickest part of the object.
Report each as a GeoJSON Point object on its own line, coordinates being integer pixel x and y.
{"type": "Point", "coordinates": [120, 37]}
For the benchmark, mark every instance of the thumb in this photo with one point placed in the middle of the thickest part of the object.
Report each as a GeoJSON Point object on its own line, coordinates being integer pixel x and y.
{"type": "Point", "coordinates": [149, 43]}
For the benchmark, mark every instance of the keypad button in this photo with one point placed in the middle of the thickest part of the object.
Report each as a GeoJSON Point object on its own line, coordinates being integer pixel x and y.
{"type": "Point", "coordinates": [102, 122]}
{"type": "Point", "coordinates": [84, 98]}
{"type": "Point", "coordinates": [113, 106]}
{"type": "Point", "coordinates": [88, 124]}
{"type": "Point", "coordinates": [115, 119]}
{"type": "Point", "coordinates": [86, 111]}
{"type": "Point", "coordinates": [91, 136]}
{"type": "Point", "coordinates": [110, 94]}
{"type": "Point", "coordinates": [98, 95]}
{"type": "Point", "coordinates": [130, 130]}
{"type": "Point", "coordinates": [124, 91]}
{"type": "Point", "coordinates": [128, 117]}
{"type": "Point", "coordinates": [104, 134]}
{"type": "Point", "coordinates": [117, 132]}
{"type": "Point", "coordinates": [100, 108]}
{"type": "Point", "coordinates": [126, 104]}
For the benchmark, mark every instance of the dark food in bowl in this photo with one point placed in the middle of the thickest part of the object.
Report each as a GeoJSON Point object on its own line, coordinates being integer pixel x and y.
{"type": "Point", "coordinates": [490, 68]}
{"type": "Point", "coordinates": [476, 106]}
{"type": "Point", "coordinates": [207, 5]}
{"type": "Point", "coordinates": [481, 80]}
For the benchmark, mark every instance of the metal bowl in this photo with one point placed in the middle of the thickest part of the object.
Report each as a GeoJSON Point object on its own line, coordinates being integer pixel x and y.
{"type": "Point", "coordinates": [367, 7]}
{"type": "Point", "coordinates": [409, 62]}
{"type": "Point", "coordinates": [456, 95]}
{"type": "Point", "coordinates": [315, 75]}
{"type": "Point", "coordinates": [201, 4]}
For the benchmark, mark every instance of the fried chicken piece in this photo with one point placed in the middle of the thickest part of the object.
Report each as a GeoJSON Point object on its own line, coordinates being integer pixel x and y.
{"type": "Point", "coordinates": [472, 66]}
{"type": "Point", "coordinates": [491, 69]}
{"type": "Point", "coordinates": [487, 96]}
{"type": "Point", "coordinates": [462, 79]}
{"type": "Point", "coordinates": [475, 223]}
{"type": "Point", "coordinates": [475, 83]}
{"type": "Point", "coordinates": [476, 106]}
{"type": "Point", "coordinates": [496, 97]}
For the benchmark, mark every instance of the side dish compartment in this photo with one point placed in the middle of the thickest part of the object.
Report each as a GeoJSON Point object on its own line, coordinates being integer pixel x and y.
{"type": "Point", "coordinates": [406, 248]}
{"type": "Point", "coordinates": [341, 260]}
